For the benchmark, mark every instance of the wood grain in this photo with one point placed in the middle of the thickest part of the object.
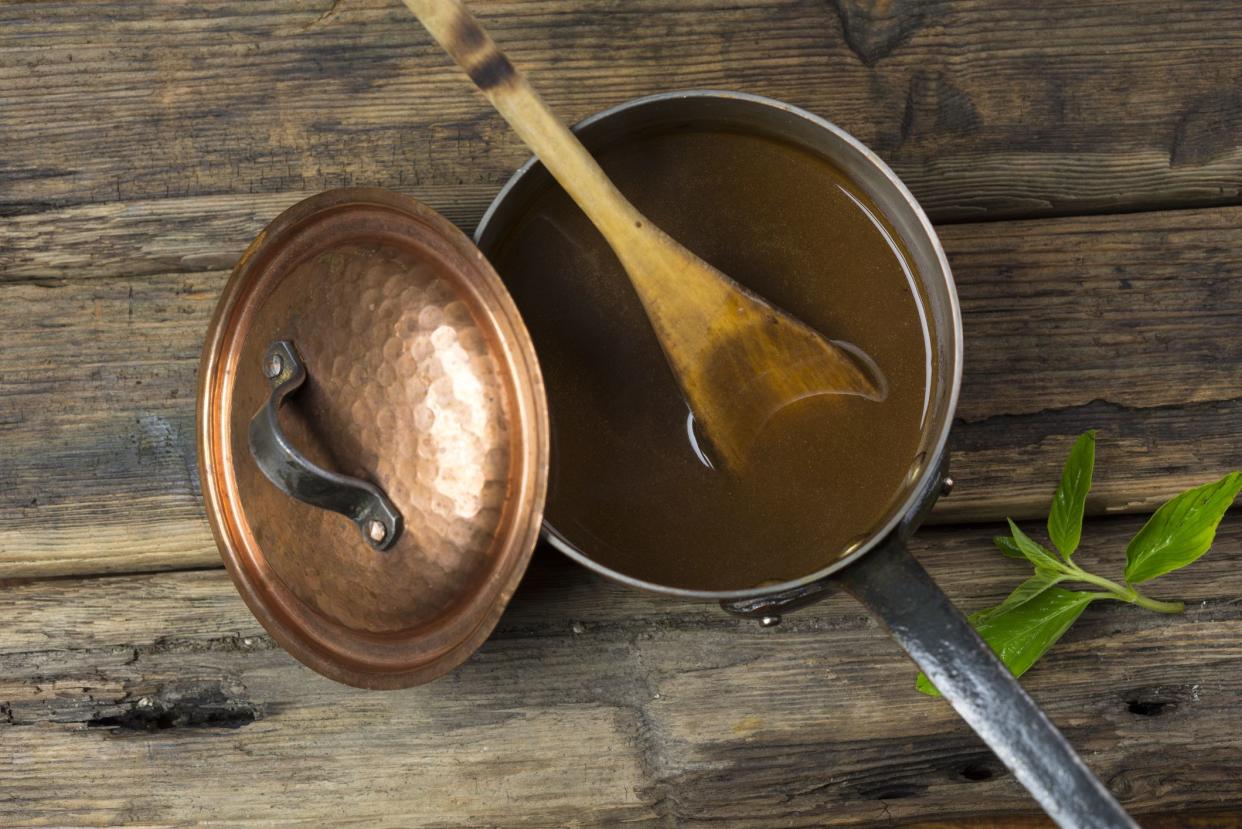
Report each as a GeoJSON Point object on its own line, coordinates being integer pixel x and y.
{"type": "Point", "coordinates": [143, 144]}
{"type": "Point", "coordinates": [1112, 322]}
{"type": "Point", "coordinates": [592, 705]}
{"type": "Point", "coordinates": [1119, 323]}
{"type": "Point", "coordinates": [173, 235]}
{"type": "Point", "coordinates": [985, 107]}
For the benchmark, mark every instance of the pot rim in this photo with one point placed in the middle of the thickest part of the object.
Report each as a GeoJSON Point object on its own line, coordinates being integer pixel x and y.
{"type": "Point", "coordinates": [927, 486]}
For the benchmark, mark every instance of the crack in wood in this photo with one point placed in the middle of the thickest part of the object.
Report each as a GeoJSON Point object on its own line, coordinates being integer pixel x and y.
{"type": "Point", "coordinates": [164, 645]}
{"type": "Point", "coordinates": [1024, 428]}
{"type": "Point", "coordinates": [129, 704]}
{"type": "Point", "coordinates": [327, 17]}
{"type": "Point", "coordinates": [1156, 701]}
{"type": "Point", "coordinates": [199, 707]}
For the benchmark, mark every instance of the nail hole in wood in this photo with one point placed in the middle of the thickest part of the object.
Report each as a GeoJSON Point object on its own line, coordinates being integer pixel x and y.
{"type": "Point", "coordinates": [977, 772]}
{"type": "Point", "coordinates": [1148, 708]}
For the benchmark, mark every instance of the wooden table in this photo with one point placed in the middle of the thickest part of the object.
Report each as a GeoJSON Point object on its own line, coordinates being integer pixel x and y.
{"type": "Point", "coordinates": [1084, 165]}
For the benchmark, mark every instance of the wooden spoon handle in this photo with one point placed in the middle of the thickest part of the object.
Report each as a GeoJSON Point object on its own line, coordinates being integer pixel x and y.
{"type": "Point", "coordinates": [457, 30]}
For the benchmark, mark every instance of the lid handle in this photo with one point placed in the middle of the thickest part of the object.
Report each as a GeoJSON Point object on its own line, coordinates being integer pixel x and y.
{"type": "Point", "coordinates": [295, 475]}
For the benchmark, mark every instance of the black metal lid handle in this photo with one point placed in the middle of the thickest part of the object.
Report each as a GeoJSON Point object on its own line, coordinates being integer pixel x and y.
{"type": "Point", "coordinates": [297, 476]}
{"type": "Point", "coordinates": [900, 594]}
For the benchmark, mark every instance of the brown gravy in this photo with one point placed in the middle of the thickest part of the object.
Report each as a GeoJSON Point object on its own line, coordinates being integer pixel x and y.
{"type": "Point", "coordinates": [628, 486]}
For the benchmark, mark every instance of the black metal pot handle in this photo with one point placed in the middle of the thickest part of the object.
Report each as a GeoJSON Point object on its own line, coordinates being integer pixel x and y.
{"type": "Point", "coordinates": [905, 599]}
{"type": "Point", "coordinates": [297, 476]}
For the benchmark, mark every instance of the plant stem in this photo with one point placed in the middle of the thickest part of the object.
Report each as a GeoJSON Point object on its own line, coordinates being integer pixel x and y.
{"type": "Point", "coordinates": [1078, 574]}
{"type": "Point", "coordinates": [1123, 593]}
{"type": "Point", "coordinates": [1156, 605]}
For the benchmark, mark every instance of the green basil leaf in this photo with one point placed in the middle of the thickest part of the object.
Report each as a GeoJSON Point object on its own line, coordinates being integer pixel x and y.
{"type": "Point", "coordinates": [1032, 552]}
{"type": "Point", "coordinates": [1065, 518]}
{"type": "Point", "coordinates": [1021, 635]}
{"type": "Point", "coordinates": [1023, 593]}
{"type": "Point", "coordinates": [1008, 546]}
{"type": "Point", "coordinates": [924, 686]}
{"type": "Point", "coordinates": [1181, 530]}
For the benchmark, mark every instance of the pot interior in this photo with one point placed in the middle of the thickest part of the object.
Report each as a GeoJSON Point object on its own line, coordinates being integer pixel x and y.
{"type": "Point", "coordinates": [799, 212]}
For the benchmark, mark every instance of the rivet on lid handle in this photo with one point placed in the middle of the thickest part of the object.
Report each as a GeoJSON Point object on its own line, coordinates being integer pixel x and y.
{"type": "Point", "coordinates": [373, 438]}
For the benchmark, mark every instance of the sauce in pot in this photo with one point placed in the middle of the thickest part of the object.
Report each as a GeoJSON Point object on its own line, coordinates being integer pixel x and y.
{"type": "Point", "coordinates": [632, 483]}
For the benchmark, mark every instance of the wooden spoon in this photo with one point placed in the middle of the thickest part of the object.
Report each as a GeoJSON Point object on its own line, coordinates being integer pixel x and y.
{"type": "Point", "coordinates": [738, 359]}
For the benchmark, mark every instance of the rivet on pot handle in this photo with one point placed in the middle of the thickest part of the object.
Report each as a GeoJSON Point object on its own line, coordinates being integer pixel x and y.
{"type": "Point", "coordinates": [297, 476]}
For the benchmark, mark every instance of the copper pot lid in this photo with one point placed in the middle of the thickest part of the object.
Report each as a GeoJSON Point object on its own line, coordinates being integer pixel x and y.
{"type": "Point", "coordinates": [373, 438]}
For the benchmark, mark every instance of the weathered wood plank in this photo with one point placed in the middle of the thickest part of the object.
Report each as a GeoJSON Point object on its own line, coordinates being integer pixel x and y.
{"type": "Point", "coordinates": [1114, 322]}
{"type": "Point", "coordinates": [174, 235]}
{"type": "Point", "coordinates": [164, 702]}
{"type": "Point", "coordinates": [97, 419]}
{"type": "Point", "coordinates": [996, 107]}
{"type": "Point", "coordinates": [1110, 322]}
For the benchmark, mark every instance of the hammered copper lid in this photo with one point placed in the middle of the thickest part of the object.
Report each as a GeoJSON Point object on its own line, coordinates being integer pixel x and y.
{"type": "Point", "coordinates": [419, 385]}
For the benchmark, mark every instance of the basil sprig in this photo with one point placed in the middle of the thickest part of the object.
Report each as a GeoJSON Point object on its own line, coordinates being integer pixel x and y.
{"type": "Point", "coordinates": [1037, 613]}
